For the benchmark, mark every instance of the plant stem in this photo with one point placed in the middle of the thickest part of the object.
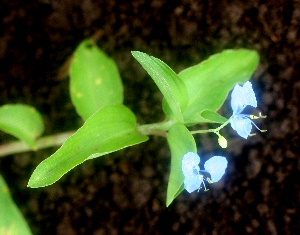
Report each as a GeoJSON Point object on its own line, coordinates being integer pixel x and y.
{"type": "Point", "coordinates": [211, 130]}
{"type": "Point", "coordinates": [159, 128]}
{"type": "Point", "coordinates": [57, 140]}
{"type": "Point", "coordinates": [41, 143]}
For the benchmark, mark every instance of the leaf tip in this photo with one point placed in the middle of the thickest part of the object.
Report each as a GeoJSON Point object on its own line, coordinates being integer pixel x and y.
{"type": "Point", "coordinates": [31, 183]}
{"type": "Point", "coordinates": [35, 181]}
{"type": "Point", "coordinates": [135, 53]}
{"type": "Point", "coordinates": [169, 201]}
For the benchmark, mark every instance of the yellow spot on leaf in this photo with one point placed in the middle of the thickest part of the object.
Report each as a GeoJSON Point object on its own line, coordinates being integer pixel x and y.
{"type": "Point", "coordinates": [6, 231]}
{"type": "Point", "coordinates": [98, 81]}
{"type": "Point", "coordinates": [79, 94]}
{"type": "Point", "coordinates": [5, 188]}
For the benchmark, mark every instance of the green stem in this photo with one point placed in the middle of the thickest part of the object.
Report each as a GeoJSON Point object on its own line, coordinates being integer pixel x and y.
{"type": "Point", "coordinates": [202, 131]}
{"type": "Point", "coordinates": [159, 128]}
{"type": "Point", "coordinates": [41, 143]}
{"type": "Point", "coordinates": [211, 130]}
{"type": "Point", "coordinates": [57, 140]}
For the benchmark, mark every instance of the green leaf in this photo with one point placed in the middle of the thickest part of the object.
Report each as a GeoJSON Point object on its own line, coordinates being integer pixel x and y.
{"type": "Point", "coordinates": [171, 86]}
{"type": "Point", "coordinates": [94, 80]}
{"type": "Point", "coordinates": [22, 121]}
{"type": "Point", "coordinates": [206, 115]}
{"type": "Point", "coordinates": [110, 129]}
{"type": "Point", "coordinates": [213, 116]}
{"type": "Point", "coordinates": [12, 221]}
{"type": "Point", "coordinates": [209, 82]}
{"type": "Point", "coordinates": [181, 142]}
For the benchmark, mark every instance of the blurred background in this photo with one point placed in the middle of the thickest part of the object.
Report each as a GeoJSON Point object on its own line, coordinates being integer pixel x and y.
{"type": "Point", "coordinates": [125, 192]}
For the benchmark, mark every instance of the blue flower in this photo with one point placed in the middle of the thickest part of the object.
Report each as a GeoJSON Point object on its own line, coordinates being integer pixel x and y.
{"type": "Point", "coordinates": [241, 97]}
{"type": "Point", "coordinates": [190, 170]}
{"type": "Point", "coordinates": [215, 166]}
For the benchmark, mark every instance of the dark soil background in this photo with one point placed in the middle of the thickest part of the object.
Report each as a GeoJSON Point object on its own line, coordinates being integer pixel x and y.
{"type": "Point", "coordinates": [125, 192]}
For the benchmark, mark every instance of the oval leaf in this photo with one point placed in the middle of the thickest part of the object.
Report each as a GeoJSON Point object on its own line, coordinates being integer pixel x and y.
{"type": "Point", "coordinates": [110, 129]}
{"type": "Point", "coordinates": [171, 86]}
{"type": "Point", "coordinates": [209, 82]}
{"type": "Point", "coordinates": [181, 142]}
{"type": "Point", "coordinates": [22, 121]}
{"type": "Point", "coordinates": [94, 80]}
{"type": "Point", "coordinates": [212, 116]}
{"type": "Point", "coordinates": [11, 220]}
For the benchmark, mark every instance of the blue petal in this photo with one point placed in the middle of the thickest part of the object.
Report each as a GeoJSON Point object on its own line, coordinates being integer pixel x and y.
{"type": "Point", "coordinates": [189, 162]}
{"type": "Point", "coordinates": [242, 96]}
{"type": "Point", "coordinates": [250, 98]}
{"type": "Point", "coordinates": [192, 183]}
{"type": "Point", "coordinates": [242, 125]}
{"type": "Point", "coordinates": [216, 167]}
{"type": "Point", "coordinates": [237, 100]}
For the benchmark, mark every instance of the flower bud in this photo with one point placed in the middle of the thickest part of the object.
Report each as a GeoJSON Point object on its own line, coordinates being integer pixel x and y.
{"type": "Point", "coordinates": [222, 142]}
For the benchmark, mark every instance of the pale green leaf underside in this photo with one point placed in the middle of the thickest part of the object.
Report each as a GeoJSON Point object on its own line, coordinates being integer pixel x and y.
{"type": "Point", "coordinates": [109, 129]}
{"type": "Point", "coordinates": [94, 80]}
{"type": "Point", "coordinates": [22, 121]}
{"type": "Point", "coordinates": [209, 82]}
{"type": "Point", "coordinates": [171, 86]}
{"type": "Point", "coordinates": [12, 221]}
{"type": "Point", "coordinates": [181, 142]}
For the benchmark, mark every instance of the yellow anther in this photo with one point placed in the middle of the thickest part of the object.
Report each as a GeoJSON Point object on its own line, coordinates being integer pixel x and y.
{"type": "Point", "coordinates": [262, 116]}
{"type": "Point", "coordinates": [209, 180]}
{"type": "Point", "coordinates": [257, 117]}
{"type": "Point", "coordinates": [205, 179]}
{"type": "Point", "coordinates": [253, 116]}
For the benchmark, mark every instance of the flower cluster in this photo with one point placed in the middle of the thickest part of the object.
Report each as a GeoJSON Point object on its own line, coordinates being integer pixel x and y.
{"type": "Point", "coordinates": [241, 97]}
{"type": "Point", "coordinates": [194, 178]}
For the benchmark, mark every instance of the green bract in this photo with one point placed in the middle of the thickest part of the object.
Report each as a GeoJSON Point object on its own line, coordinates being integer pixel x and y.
{"type": "Point", "coordinates": [21, 121]}
{"type": "Point", "coordinates": [94, 80]}
{"type": "Point", "coordinates": [110, 129]}
{"type": "Point", "coordinates": [11, 219]}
